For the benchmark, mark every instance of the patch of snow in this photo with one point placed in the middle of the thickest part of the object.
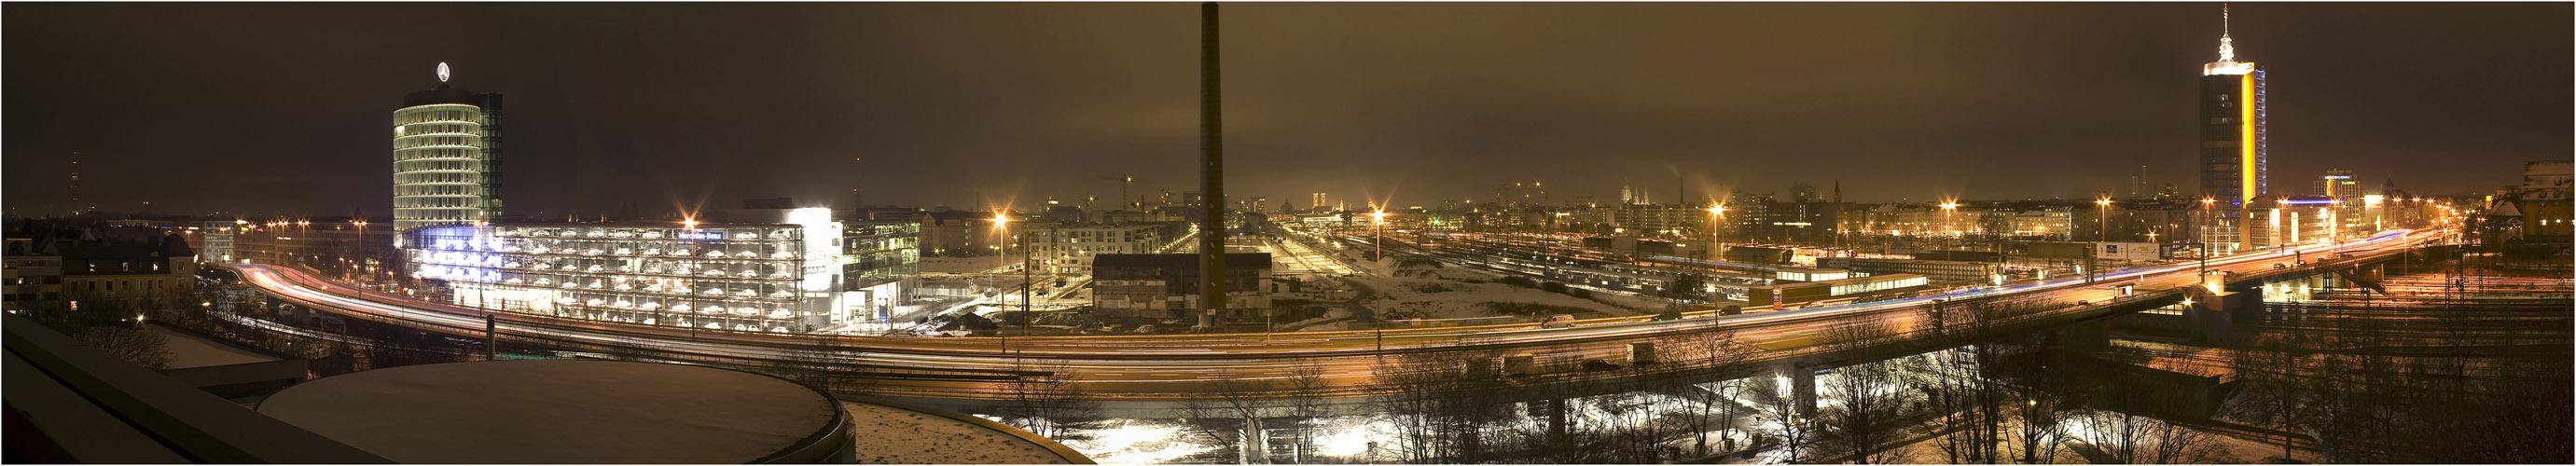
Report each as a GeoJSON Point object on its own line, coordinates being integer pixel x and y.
{"type": "Point", "coordinates": [1462, 299]}
{"type": "Point", "coordinates": [888, 435]}
{"type": "Point", "coordinates": [1139, 441]}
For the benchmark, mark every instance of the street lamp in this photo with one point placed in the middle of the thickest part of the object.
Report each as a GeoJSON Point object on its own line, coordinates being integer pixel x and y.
{"type": "Point", "coordinates": [1001, 224]}
{"type": "Point", "coordinates": [2105, 213]}
{"type": "Point", "coordinates": [1028, 281]}
{"type": "Point", "coordinates": [1378, 218]}
{"type": "Point", "coordinates": [2203, 238]}
{"type": "Point", "coordinates": [1716, 212]}
{"type": "Point", "coordinates": [1948, 207]}
{"type": "Point", "coordinates": [2092, 266]}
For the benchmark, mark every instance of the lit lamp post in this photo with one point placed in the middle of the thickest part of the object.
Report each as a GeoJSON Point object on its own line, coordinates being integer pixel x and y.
{"type": "Point", "coordinates": [1028, 280]}
{"type": "Point", "coordinates": [2203, 238]}
{"type": "Point", "coordinates": [2094, 267]}
{"type": "Point", "coordinates": [1379, 219]}
{"type": "Point", "coordinates": [1948, 207]}
{"type": "Point", "coordinates": [2105, 213]}
{"type": "Point", "coordinates": [1716, 213]}
{"type": "Point", "coordinates": [1001, 223]}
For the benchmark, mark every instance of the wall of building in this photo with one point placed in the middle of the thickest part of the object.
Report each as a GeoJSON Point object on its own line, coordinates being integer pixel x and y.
{"type": "Point", "coordinates": [743, 277]}
{"type": "Point", "coordinates": [1166, 286]}
{"type": "Point", "coordinates": [1940, 272]}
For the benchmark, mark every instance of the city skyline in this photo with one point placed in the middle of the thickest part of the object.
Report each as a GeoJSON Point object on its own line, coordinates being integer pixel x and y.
{"type": "Point", "coordinates": [1566, 82]}
{"type": "Point", "coordinates": [1907, 233]}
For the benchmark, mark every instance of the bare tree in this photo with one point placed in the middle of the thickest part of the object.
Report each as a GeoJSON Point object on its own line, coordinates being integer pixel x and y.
{"type": "Point", "coordinates": [1562, 432]}
{"type": "Point", "coordinates": [2174, 443]}
{"type": "Point", "coordinates": [1230, 411]}
{"type": "Point", "coordinates": [1409, 388]}
{"type": "Point", "coordinates": [1963, 386]}
{"type": "Point", "coordinates": [1794, 431]}
{"type": "Point", "coordinates": [114, 326]}
{"type": "Point", "coordinates": [133, 343]}
{"type": "Point", "coordinates": [2125, 428]}
{"type": "Point", "coordinates": [2269, 372]}
{"type": "Point", "coordinates": [1306, 387]}
{"type": "Point", "coordinates": [2045, 394]}
{"type": "Point", "coordinates": [816, 364]}
{"type": "Point", "coordinates": [1047, 399]}
{"type": "Point", "coordinates": [1715, 353]}
{"type": "Point", "coordinates": [1868, 418]}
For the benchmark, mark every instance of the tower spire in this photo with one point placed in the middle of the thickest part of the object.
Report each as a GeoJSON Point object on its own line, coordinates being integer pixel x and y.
{"type": "Point", "coordinates": [2226, 45]}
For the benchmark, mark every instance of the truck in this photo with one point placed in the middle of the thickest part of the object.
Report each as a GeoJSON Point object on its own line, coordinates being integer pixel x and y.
{"type": "Point", "coordinates": [1557, 321]}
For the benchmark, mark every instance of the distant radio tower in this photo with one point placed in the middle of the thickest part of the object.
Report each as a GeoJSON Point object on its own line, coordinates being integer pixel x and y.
{"type": "Point", "coordinates": [75, 187]}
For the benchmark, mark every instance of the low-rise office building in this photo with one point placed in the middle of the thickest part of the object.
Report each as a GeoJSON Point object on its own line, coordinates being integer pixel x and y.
{"type": "Point", "coordinates": [1938, 271]}
{"type": "Point", "coordinates": [1069, 249]}
{"type": "Point", "coordinates": [880, 267]}
{"type": "Point", "coordinates": [1848, 288]}
{"type": "Point", "coordinates": [1166, 286]}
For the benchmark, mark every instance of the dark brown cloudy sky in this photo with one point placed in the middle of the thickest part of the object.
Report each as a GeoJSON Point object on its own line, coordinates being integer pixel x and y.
{"type": "Point", "coordinates": [265, 108]}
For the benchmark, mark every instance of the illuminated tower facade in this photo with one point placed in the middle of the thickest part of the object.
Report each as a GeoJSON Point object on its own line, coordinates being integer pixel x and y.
{"type": "Point", "coordinates": [447, 157]}
{"type": "Point", "coordinates": [2233, 158]}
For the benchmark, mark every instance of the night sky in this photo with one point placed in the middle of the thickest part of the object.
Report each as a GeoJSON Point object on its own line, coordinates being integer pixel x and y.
{"type": "Point", "coordinates": [284, 109]}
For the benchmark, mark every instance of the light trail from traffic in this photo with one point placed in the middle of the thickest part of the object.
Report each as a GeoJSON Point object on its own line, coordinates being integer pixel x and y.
{"type": "Point", "coordinates": [1171, 366]}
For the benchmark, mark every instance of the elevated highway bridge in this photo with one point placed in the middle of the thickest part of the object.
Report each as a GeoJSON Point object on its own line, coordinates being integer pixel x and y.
{"type": "Point", "coordinates": [1174, 367]}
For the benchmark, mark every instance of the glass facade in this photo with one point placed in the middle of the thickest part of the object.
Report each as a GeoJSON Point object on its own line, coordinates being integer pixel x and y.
{"type": "Point", "coordinates": [878, 262]}
{"type": "Point", "coordinates": [876, 254]}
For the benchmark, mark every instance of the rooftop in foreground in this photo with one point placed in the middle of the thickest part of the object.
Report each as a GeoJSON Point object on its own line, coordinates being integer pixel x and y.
{"type": "Point", "coordinates": [542, 412]}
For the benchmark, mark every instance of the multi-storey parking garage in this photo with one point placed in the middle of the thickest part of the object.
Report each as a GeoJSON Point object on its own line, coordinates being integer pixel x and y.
{"type": "Point", "coordinates": [763, 277]}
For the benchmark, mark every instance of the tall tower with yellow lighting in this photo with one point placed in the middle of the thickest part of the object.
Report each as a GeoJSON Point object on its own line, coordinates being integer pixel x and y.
{"type": "Point", "coordinates": [2234, 158]}
{"type": "Point", "coordinates": [2232, 107]}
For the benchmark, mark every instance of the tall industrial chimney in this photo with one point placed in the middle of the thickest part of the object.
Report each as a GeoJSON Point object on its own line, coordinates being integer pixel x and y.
{"type": "Point", "coordinates": [1211, 169]}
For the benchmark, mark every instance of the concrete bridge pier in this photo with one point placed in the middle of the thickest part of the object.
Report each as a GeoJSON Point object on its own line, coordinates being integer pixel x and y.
{"type": "Point", "coordinates": [2245, 300]}
{"type": "Point", "coordinates": [2210, 314]}
{"type": "Point", "coordinates": [2366, 275]}
{"type": "Point", "coordinates": [1802, 385]}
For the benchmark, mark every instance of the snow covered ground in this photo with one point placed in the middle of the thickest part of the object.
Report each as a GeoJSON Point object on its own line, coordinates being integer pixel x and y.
{"type": "Point", "coordinates": [1140, 441]}
{"type": "Point", "coordinates": [888, 435]}
{"type": "Point", "coordinates": [1446, 293]}
{"type": "Point", "coordinates": [1431, 298]}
